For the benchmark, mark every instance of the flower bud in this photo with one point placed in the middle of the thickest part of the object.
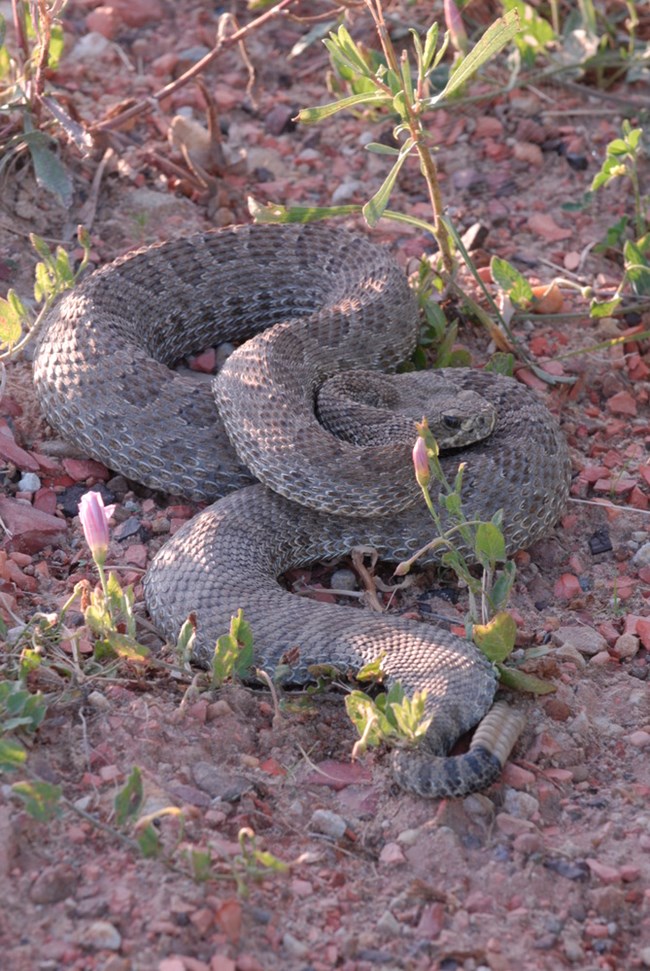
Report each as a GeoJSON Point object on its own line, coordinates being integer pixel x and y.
{"type": "Point", "coordinates": [421, 462]}
{"type": "Point", "coordinates": [94, 518]}
{"type": "Point", "coordinates": [455, 26]}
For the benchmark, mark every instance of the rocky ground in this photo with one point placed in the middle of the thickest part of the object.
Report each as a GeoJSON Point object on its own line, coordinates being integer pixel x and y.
{"type": "Point", "coordinates": [547, 869]}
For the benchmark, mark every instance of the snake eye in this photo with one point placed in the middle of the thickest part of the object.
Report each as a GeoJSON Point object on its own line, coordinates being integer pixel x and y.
{"type": "Point", "coordinates": [451, 421]}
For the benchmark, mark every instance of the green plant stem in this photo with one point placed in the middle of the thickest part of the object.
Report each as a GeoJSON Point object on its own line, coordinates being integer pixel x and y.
{"type": "Point", "coordinates": [428, 166]}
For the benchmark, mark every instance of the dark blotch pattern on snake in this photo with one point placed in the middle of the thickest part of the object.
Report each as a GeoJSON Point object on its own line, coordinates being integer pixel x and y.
{"type": "Point", "coordinates": [310, 302]}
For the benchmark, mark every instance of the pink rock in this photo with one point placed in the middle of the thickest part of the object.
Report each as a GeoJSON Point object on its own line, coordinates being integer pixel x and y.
{"type": "Point", "coordinates": [608, 874]}
{"type": "Point", "coordinates": [516, 777]}
{"type": "Point", "coordinates": [639, 739]}
{"type": "Point", "coordinates": [567, 586]}
{"type": "Point", "coordinates": [31, 530]}
{"type": "Point", "coordinates": [105, 21]}
{"type": "Point", "coordinates": [392, 855]}
{"type": "Point", "coordinates": [642, 628]}
{"type": "Point", "coordinates": [81, 469]}
{"type": "Point", "coordinates": [45, 500]}
{"type": "Point", "coordinates": [136, 554]}
{"type": "Point", "coordinates": [137, 13]}
{"type": "Point", "coordinates": [541, 224]}
{"type": "Point", "coordinates": [12, 452]}
{"type": "Point", "coordinates": [205, 362]}
{"type": "Point", "coordinates": [622, 404]}
{"type": "Point", "coordinates": [338, 775]}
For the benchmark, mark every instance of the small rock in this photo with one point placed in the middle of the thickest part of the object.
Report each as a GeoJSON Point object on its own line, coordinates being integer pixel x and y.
{"type": "Point", "coordinates": [82, 469]}
{"type": "Point", "coordinates": [126, 529]}
{"type": "Point", "coordinates": [639, 739]}
{"type": "Point", "coordinates": [12, 452]}
{"type": "Point", "coordinates": [529, 153]}
{"type": "Point", "coordinates": [512, 826]}
{"type": "Point", "coordinates": [608, 874]}
{"type": "Point", "coordinates": [138, 13]}
{"type": "Point", "coordinates": [392, 855]}
{"type": "Point", "coordinates": [627, 645]}
{"type": "Point", "coordinates": [328, 823]}
{"type": "Point", "coordinates": [520, 804]}
{"type": "Point", "coordinates": [645, 957]}
{"type": "Point", "coordinates": [346, 191]}
{"type": "Point", "coordinates": [642, 556]}
{"type": "Point", "coordinates": [105, 21]}
{"type": "Point", "coordinates": [29, 530]}
{"type": "Point", "coordinates": [53, 884]}
{"type": "Point", "coordinates": [584, 639]}
{"type": "Point", "coordinates": [343, 580]}
{"type": "Point", "coordinates": [29, 482]}
{"type": "Point", "coordinates": [280, 119]}
{"type": "Point", "coordinates": [219, 784]}
{"type": "Point", "coordinates": [388, 925]}
{"type": "Point", "coordinates": [101, 936]}
{"type": "Point", "coordinates": [294, 947]}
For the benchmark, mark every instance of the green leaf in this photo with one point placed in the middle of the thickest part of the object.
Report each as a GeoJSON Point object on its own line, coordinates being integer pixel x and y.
{"type": "Point", "coordinates": [42, 799]}
{"type": "Point", "coordinates": [273, 213]}
{"type": "Point", "coordinates": [611, 169]}
{"type": "Point", "coordinates": [511, 281]}
{"type": "Point", "coordinates": [317, 32]}
{"type": "Point", "coordinates": [604, 309]}
{"type": "Point", "coordinates": [618, 147]}
{"type": "Point", "coordinates": [430, 44]}
{"type": "Point", "coordinates": [361, 710]}
{"type": "Point", "coordinates": [373, 209]}
{"type": "Point", "coordinates": [520, 681]}
{"type": "Point", "coordinates": [128, 802]}
{"type": "Point", "coordinates": [309, 116]}
{"type": "Point", "coordinates": [126, 647]}
{"type": "Point", "coordinates": [502, 586]}
{"type": "Point", "coordinates": [341, 47]}
{"type": "Point", "coordinates": [10, 324]}
{"type": "Point", "coordinates": [380, 149]}
{"type": "Point", "coordinates": [490, 544]}
{"type": "Point", "coordinates": [12, 755]}
{"type": "Point", "coordinates": [373, 670]}
{"type": "Point", "coordinates": [637, 270]}
{"type": "Point", "coordinates": [49, 170]}
{"type": "Point", "coordinates": [200, 862]}
{"type": "Point", "coordinates": [409, 714]}
{"type": "Point", "coordinates": [149, 842]}
{"type": "Point", "coordinates": [55, 50]}
{"type": "Point", "coordinates": [496, 639]}
{"type": "Point", "coordinates": [501, 363]}
{"type": "Point", "coordinates": [493, 40]}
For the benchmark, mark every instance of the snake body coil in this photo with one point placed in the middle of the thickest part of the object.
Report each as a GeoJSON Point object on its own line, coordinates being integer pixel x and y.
{"type": "Point", "coordinates": [311, 302]}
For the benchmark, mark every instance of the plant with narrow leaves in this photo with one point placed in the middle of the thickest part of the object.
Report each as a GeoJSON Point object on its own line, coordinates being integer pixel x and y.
{"type": "Point", "coordinates": [29, 110]}
{"type": "Point", "coordinates": [401, 88]}
{"type": "Point", "coordinates": [233, 653]}
{"type": "Point", "coordinates": [53, 275]}
{"type": "Point", "coordinates": [388, 716]}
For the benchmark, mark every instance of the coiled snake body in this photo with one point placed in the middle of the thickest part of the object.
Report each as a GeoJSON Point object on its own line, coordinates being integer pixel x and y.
{"type": "Point", "coordinates": [314, 302]}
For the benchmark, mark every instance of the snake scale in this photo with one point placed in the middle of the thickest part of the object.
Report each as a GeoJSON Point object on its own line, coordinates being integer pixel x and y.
{"type": "Point", "coordinates": [305, 303]}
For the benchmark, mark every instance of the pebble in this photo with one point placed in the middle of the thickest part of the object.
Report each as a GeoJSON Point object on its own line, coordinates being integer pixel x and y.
{"type": "Point", "coordinates": [388, 925]}
{"type": "Point", "coordinates": [219, 784]}
{"type": "Point", "coordinates": [54, 883]}
{"type": "Point", "coordinates": [29, 482]}
{"type": "Point", "coordinates": [346, 191]}
{"type": "Point", "coordinates": [101, 936]}
{"type": "Point", "coordinates": [645, 957]}
{"type": "Point", "coordinates": [520, 804]}
{"type": "Point", "coordinates": [343, 580]}
{"type": "Point", "coordinates": [627, 645]}
{"type": "Point", "coordinates": [392, 855]}
{"type": "Point", "coordinates": [328, 823]}
{"type": "Point", "coordinates": [294, 947]}
{"type": "Point", "coordinates": [642, 556]}
{"type": "Point", "coordinates": [585, 639]}
{"type": "Point", "coordinates": [30, 529]}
